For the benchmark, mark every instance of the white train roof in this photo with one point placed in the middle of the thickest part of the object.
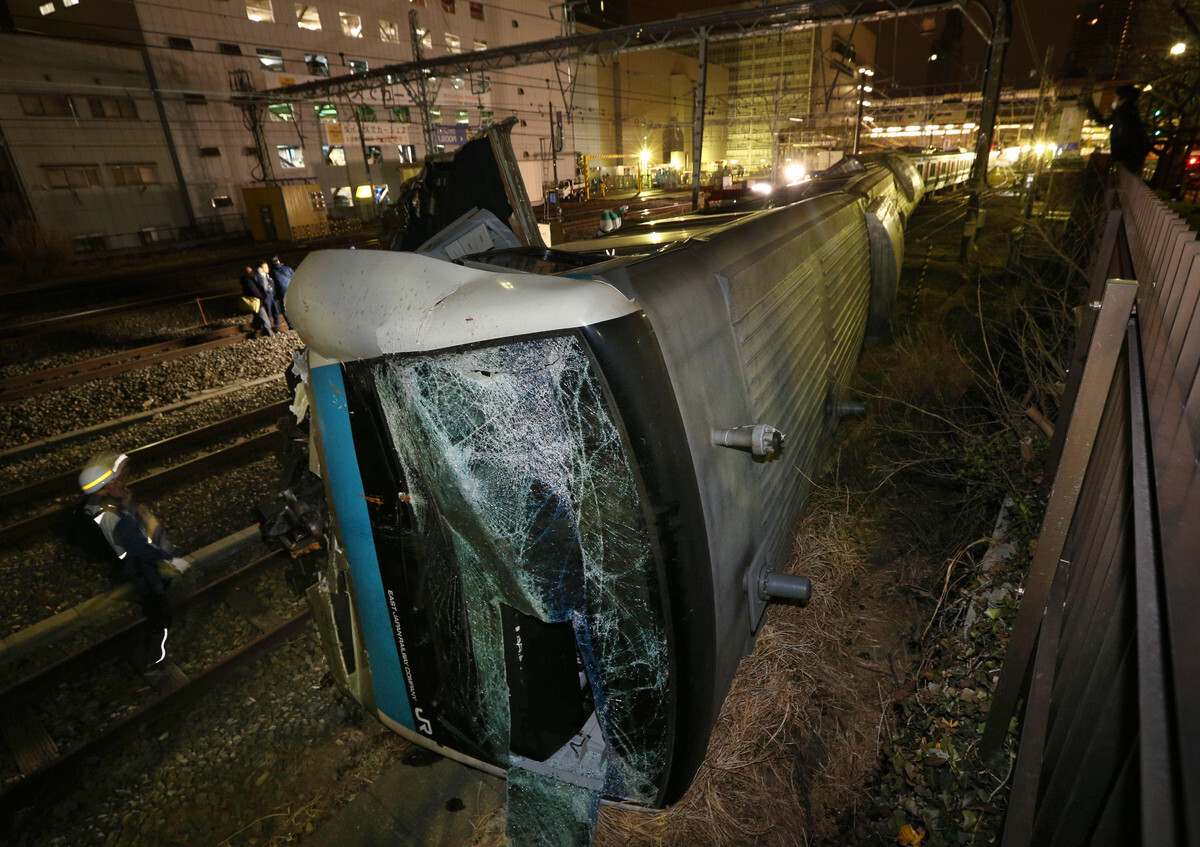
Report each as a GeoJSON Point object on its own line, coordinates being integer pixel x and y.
{"type": "Point", "coordinates": [359, 304]}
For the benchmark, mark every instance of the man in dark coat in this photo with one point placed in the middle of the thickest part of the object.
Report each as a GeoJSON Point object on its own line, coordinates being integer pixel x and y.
{"type": "Point", "coordinates": [281, 275]}
{"type": "Point", "coordinates": [252, 287]}
{"type": "Point", "coordinates": [1127, 136]}
{"type": "Point", "coordinates": [263, 277]}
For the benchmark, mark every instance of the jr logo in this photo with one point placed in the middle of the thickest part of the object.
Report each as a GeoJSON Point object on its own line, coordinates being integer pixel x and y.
{"type": "Point", "coordinates": [423, 723]}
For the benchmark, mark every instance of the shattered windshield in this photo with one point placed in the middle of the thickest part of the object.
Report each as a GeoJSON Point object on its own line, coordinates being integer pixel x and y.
{"type": "Point", "coordinates": [536, 630]}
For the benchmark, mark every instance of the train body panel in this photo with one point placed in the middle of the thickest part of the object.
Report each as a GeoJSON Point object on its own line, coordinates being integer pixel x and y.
{"type": "Point", "coordinates": [544, 558]}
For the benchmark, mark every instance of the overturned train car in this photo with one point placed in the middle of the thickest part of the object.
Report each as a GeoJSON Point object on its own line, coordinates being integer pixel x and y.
{"type": "Point", "coordinates": [562, 483]}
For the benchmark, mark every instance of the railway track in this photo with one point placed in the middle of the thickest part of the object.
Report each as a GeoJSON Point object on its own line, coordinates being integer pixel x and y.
{"type": "Point", "coordinates": [51, 727]}
{"type": "Point", "coordinates": [31, 384]}
{"type": "Point", "coordinates": [63, 483]}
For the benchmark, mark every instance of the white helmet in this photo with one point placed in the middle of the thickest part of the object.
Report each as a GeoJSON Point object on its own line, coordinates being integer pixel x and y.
{"type": "Point", "coordinates": [100, 471]}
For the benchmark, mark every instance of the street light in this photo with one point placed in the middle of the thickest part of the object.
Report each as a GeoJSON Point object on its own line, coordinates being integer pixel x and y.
{"type": "Point", "coordinates": [643, 159]}
{"type": "Point", "coordinates": [1178, 48]}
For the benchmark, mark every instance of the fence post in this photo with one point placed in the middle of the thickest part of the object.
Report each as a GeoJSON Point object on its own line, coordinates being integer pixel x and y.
{"type": "Point", "coordinates": [1103, 352]}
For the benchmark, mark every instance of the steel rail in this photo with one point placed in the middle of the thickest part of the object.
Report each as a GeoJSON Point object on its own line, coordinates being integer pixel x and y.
{"type": "Point", "coordinates": [31, 384]}
{"type": "Point", "coordinates": [64, 482]}
{"type": "Point", "coordinates": [47, 518]}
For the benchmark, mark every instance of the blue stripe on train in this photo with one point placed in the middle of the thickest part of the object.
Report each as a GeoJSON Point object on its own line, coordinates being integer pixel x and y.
{"type": "Point", "coordinates": [345, 485]}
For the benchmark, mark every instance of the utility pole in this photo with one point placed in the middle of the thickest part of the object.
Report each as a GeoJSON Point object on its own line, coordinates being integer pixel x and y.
{"type": "Point", "coordinates": [698, 118]}
{"type": "Point", "coordinates": [419, 92]}
{"type": "Point", "coordinates": [1001, 35]}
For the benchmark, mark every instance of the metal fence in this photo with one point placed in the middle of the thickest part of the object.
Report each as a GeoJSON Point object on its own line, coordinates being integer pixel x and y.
{"type": "Point", "coordinates": [1105, 648]}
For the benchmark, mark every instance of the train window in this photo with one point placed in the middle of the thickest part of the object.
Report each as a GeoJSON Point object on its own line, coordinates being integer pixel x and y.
{"type": "Point", "coordinates": [519, 501]}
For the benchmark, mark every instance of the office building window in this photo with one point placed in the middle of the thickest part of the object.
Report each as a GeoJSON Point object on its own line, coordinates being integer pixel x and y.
{"type": "Point", "coordinates": [486, 118]}
{"type": "Point", "coordinates": [113, 107]}
{"type": "Point", "coordinates": [249, 151]}
{"type": "Point", "coordinates": [401, 114]}
{"type": "Point", "coordinates": [407, 152]}
{"type": "Point", "coordinates": [448, 6]}
{"type": "Point", "coordinates": [453, 43]}
{"type": "Point", "coordinates": [317, 65]}
{"type": "Point", "coordinates": [480, 45]}
{"type": "Point", "coordinates": [435, 116]}
{"type": "Point", "coordinates": [48, 105]}
{"type": "Point", "coordinates": [389, 32]}
{"type": "Point", "coordinates": [335, 154]}
{"type": "Point", "coordinates": [358, 66]}
{"type": "Point", "coordinates": [194, 98]}
{"type": "Point", "coordinates": [46, 8]}
{"type": "Point", "coordinates": [476, 11]}
{"type": "Point", "coordinates": [290, 156]}
{"type": "Point", "coordinates": [222, 202]}
{"type": "Point", "coordinates": [326, 113]}
{"type": "Point", "coordinates": [458, 83]}
{"type": "Point", "coordinates": [208, 152]}
{"type": "Point", "coordinates": [270, 59]}
{"type": "Point", "coordinates": [460, 117]}
{"type": "Point", "coordinates": [374, 155]}
{"type": "Point", "coordinates": [138, 174]}
{"type": "Point", "coordinates": [71, 176]}
{"type": "Point", "coordinates": [281, 112]}
{"type": "Point", "coordinates": [351, 24]}
{"type": "Point", "coordinates": [177, 43]}
{"type": "Point", "coordinates": [343, 197]}
{"type": "Point", "coordinates": [260, 11]}
{"type": "Point", "coordinates": [366, 112]}
{"type": "Point", "coordinates": [426, 37]}
{"type": "Point", "coordinates": [307, 17]}
{"type": "Point", "coordinates": [229, 49]}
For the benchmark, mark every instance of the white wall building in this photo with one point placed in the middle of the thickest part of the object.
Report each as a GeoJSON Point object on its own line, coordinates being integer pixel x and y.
{"type": "Point", "coordinates": [181, 62]}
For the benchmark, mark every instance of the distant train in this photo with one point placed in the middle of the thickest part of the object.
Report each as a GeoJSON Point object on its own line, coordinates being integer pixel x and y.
{"type": "Point", "coordinates": [562, 482]}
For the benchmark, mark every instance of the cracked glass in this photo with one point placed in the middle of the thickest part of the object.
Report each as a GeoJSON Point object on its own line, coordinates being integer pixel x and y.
{"type": "Point", "coordinates": [528, 561]}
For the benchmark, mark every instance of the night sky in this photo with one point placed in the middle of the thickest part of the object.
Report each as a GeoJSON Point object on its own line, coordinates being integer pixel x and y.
{"type": "Point", "coordinates": [903, 52]}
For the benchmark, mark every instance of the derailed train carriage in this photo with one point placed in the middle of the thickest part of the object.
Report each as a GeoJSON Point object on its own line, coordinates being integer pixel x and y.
{"type": "Point", "coordinates": [562, 483]}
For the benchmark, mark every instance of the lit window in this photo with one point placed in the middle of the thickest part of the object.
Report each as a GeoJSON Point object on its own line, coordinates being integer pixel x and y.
{"type": "Point", "coordinates": [72, 176]}
{"type": "Point", "coordinates": [460, 117]}
{"type": "Point", "coordinates": [425, 36]}
{"type": "Point", "coordinates": [335, 154]}
{"type": "Point", "coordinates": [458, 83]}
{"type": "Point", "coordinates": [141, 174]}
{"type": "Point", "coordinates": [485, 118]}
{"type": "Point", "coordinates": [290, 156]}
{"type": "Point", "coordinates": [343, 196]}
{"type": "Point", "coordinates": [358, 66]}
{"type": "Point", "coordinates": [49, 105]}
{"type": "Point", "coordinates": [400, 113]}
{"type": "Point", "coordinates": [46, 8]}
{"type": "Point", "coordinates": [307, 17]}
{"type": "Point", "coordinates": [389, 32]}
{"type": "Point", "coordinates": [67, 3]}
{"type": "Point", "coordinates": [481, 86]}
{"type": "Point", "coordinates": [374, 155]}
{"type": "Point", "coordinates": [260, 11]}
{"type": "Point", "coordinates": [480, 45]}
{"type": "Point", "coordinates": [366, 112]}
{"type": "Point", "coordinates": [351, 24]}
{"type": "Point", "coordinates": [477, 11]}
{"type": "Point", "coordinates": [435, 116]}
{"type": "Point", "coordinates": [326, 113]}
{"type": "Point", "coordinates": [222, 202]}
{"type": "Point", "coordinates": [281, 111]}
{"type": "Point", "coordinates": [272, 60]}
{"type": "Point", "coordinates": [407, 152]}
{"type": "Point", "coordinates": [453, 43]}
{"type": "Point", "coordinates": [113, 107]}
{"type": "Point", "coordinates": [317, 65]}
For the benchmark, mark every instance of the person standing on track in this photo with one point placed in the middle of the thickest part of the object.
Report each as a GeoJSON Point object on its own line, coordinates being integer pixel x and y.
{"type": "Point", "coordinates": [252, 289]}
{"type": "Point", "coordinates": [270, 303]}
{"type": "Point", "coordinates": [137, 540]}
{"type": "Point", "coordinates": [281, 275]}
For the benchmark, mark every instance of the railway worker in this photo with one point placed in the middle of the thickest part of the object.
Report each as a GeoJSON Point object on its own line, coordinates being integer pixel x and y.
{"type": "Point", "coordinates": [136, 538]}
{"type": "Point", "coordinates": [267, 285]}
{"type": "Point", "coordinates": [251, 289]}
{"type": "Point", "coordinates": [1127, 136]}
{"type": "Point", "coordinates": [281, 275]}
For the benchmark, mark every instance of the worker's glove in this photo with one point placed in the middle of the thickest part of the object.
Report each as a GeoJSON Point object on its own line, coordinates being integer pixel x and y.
{"type": "Point", "coordinates": [180, 564]}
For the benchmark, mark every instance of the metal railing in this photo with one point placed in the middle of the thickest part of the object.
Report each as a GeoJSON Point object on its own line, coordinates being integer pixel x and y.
{"type": "Point", "coordinates": [1105, 648]}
